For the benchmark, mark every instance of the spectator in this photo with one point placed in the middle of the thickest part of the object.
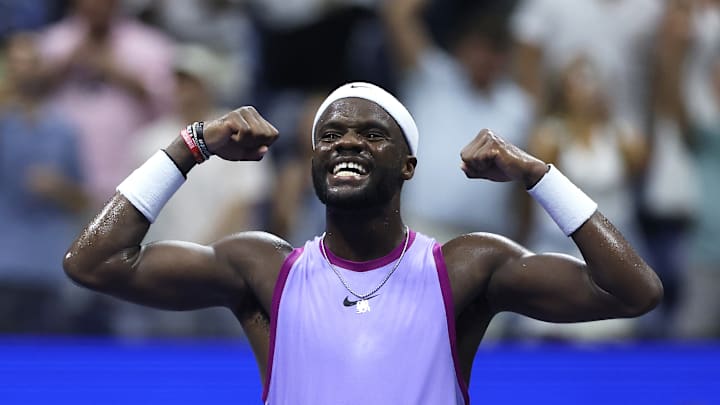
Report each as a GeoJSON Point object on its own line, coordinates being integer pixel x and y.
{"type": "Point", "coordinates": [27, 15]}
{"type": "Point", "coordinates": [467, 87]}
{"type": "Point", "coordinates": [231, 33]}
{"type": "Point", "coordinates": [603, 158]}
{"type": "Point", "coordinates": [113, 76]}
{"type": "Point", "coordinates": [698, 313]}
{"type": "Point", "coordinates": [698, 89]}
{"type": "Point", "coordinates": [600, 155]}
{"type": "Point", "coordinates": [670, 193]}
{"type": "Point", "coordinates": [41, 196]}
{"type": "Point", "coordinates": [551, 33]}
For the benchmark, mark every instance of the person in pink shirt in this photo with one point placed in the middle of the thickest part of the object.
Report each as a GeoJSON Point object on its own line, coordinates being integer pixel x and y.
{"type": "Point", "coordinates": [112, 75]}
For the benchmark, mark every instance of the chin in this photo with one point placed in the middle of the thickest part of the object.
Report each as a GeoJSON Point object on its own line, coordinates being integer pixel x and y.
{"type": "Point", "coordinates": [367, 196]}
{"type": "Point", "coordinates": [347, 199]}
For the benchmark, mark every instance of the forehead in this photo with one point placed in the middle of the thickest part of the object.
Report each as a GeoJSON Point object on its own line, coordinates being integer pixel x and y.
{"type": "Point", "coordinates": [354, 111]}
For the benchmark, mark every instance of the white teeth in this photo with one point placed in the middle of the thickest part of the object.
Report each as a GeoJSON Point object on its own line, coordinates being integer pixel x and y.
{"type": "Point", "coordinates": [346, 173]}
{"type": "Point", "coordinates": [348, 169]}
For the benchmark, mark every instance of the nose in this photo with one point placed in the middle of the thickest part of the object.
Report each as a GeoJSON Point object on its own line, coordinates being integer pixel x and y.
{"type": "Point", "coordinates": [351, 140]}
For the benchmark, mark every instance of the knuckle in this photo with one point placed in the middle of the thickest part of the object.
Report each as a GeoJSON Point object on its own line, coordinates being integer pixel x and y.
{"type": "Point", "coordinates": [233, 117]}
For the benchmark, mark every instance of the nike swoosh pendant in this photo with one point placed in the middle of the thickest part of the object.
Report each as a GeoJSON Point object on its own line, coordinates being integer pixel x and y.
{"type": "Point", "coordinates": [362, 306]}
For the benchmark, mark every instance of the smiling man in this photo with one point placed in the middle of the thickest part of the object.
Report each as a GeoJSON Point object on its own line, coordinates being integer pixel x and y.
{"type": "Point", "coordinates": [370, 311]}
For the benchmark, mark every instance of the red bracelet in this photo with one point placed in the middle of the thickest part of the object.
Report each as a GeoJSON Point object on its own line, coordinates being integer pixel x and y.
{"type": "Point", "coordinates": [190, 143]}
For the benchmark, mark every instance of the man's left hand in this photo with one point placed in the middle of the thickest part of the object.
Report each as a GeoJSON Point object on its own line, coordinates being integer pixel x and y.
{"type": "Point", "coordinates": [489, 157]}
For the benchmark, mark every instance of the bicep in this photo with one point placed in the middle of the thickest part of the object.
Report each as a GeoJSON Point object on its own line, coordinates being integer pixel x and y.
{"type": "Point", "coordinates": [170, 275]}
{"type": "Point", "coordinates": [550, 287]}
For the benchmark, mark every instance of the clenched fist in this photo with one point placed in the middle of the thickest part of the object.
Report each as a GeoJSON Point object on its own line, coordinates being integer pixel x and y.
{"type": "Point", "coordinates": [489, 157]}
{"type": "Point", "coordinates": [241, 134]}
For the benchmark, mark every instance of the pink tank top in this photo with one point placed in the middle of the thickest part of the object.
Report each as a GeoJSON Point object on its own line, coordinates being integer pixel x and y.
{"type": "Point", "coordinates": [399, 349]}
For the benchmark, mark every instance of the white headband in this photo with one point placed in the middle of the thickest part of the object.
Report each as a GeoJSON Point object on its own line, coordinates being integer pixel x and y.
{"type": "Point", "coordinates": [380, 97]}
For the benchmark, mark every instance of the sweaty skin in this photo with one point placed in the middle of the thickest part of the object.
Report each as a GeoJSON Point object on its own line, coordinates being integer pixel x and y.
{"type": "Point", "coordinates": [488, 273]}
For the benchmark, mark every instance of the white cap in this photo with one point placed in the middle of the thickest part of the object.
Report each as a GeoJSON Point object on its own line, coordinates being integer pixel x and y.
{"type": "Point", "coordinates": [380, 97]}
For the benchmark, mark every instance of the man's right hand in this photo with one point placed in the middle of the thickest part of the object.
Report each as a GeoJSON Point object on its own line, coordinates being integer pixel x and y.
{"type": "Point", "coordinates": [242, 134]}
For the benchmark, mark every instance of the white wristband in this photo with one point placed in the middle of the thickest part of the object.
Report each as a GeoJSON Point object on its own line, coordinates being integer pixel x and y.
{"type": "Point", "coordinates": [566, 204]}
{"type": "Point", "coordinates": [151, 185]}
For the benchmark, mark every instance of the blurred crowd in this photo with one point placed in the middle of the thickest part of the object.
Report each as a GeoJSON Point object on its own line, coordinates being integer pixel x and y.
{"type": "Point", "coordinates": [622, 95]}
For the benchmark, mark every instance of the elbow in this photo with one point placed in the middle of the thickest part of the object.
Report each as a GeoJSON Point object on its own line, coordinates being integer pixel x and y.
{"type": "Point", "coordinates": [90, 271]}
{"type": "Point", "coordinates": [75, 270]}
{"type": "Point", "coordinates": [655, 295]}
{"type": "Point", "coordinates": [71, 266]}
{"type": "Point", "coordinates": [651, 298]}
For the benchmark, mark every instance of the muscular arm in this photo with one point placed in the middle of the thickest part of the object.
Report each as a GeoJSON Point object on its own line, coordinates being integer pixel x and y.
{"type": "Point", "coordinates": [613, 281]}
{"type": "Point", "coordinates": [108, 256]}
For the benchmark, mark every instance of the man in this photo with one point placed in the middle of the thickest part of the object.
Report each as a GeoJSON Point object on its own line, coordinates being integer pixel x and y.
{"type": "Point", "coordinates": [370, 311]}
{"type": "Point", "coordinates": [41, 195]}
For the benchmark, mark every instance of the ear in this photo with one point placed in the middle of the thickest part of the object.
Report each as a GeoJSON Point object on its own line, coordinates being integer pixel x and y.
{"type": "Point", "coordinates": [409, 167]}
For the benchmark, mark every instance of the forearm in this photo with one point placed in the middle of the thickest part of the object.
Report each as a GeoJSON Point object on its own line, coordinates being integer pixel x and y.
{"type": "Point", "coordinates": [613, 264]}
{"type": "Point", "coordinates": [108, 244]}
{"type": "Point", "coordinates": [55, 73]}
{"type": "Point", "coordinates": [408, 36]}
{"type": "Point", "coordinates": [111, 241]}
{"type": "Point", "coordinates": [668, 99]}
{"type": "Point", "coordinates": [129, 82]}
{"type": "Point", "coordinates": [181, 155]}
{"type": "Point", "coordinates": [527, 71]}
{"type": "Point", "coordinates": [71, 196]}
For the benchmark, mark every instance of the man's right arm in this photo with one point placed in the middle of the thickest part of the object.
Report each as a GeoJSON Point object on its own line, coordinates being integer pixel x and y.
{"type": "Point", "coordinates": [108, 255]}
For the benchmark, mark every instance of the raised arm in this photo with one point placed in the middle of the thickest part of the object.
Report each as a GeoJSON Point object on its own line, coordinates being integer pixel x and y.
{"type": "Point", "coordinates": [613, 281]}
{"type": "Point", "coordinates": [408, 35]}
{"type": "Point", "coordinates": [108, 255]}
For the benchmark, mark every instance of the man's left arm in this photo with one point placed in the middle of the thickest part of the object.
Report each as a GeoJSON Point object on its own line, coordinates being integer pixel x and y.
{"type": "Point", "coordinates": [613, 281]}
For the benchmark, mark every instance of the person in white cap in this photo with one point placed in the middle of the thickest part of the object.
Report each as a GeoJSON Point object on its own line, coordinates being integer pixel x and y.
{"type": "Point", "coordinates": [370, 311]}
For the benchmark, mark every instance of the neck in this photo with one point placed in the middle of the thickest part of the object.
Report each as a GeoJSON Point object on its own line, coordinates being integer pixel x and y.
{"type": "Point", "coordinates": [361, 235]}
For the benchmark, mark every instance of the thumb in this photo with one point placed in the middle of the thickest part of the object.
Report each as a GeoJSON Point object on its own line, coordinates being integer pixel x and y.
{"type": "Point", "coordinates": [258, 153]}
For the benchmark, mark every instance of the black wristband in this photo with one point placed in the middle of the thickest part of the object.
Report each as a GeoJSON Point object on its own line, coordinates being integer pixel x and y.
{"type": "Point", "coordinates": [198, 133]}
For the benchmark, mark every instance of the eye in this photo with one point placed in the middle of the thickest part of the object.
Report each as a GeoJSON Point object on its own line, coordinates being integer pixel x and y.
{"type": "Point", "coordinates": [375, 135]}
{"type": "Point", "coordinates": [330, 136]}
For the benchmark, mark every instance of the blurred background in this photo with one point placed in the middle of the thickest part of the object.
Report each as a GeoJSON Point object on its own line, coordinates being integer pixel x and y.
{"type": "Point", "coordinates": [622, 95]}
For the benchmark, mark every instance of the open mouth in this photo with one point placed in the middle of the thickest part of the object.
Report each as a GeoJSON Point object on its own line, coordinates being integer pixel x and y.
{"type": "Point", "coordinates": [349, 170]}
